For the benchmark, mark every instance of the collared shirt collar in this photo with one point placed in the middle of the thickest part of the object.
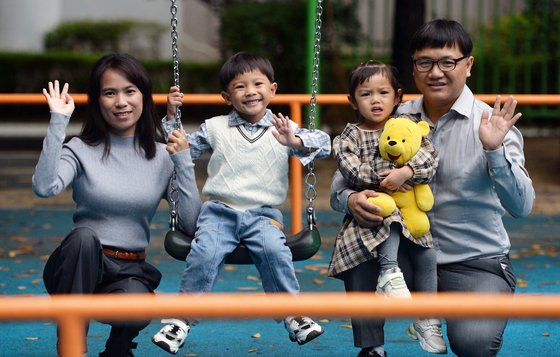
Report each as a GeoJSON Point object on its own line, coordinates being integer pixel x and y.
{"type": "Point", "coordinates": [235, 119]}
{"type": "Point", "coordinates": [417, 107]}
{"type": "Point", "coordinates": [462, 106]}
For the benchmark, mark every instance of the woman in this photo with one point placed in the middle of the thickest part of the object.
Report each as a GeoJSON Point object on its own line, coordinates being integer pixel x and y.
{"type": "Point", "coordinates": [119, 172]}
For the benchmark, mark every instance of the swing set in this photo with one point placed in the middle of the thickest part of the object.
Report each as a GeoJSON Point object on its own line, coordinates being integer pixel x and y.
{"type": "Point", "coordinates": [303, 244]}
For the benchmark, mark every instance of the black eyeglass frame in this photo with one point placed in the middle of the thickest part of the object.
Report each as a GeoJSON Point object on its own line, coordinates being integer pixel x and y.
{"type": "Point", "coordinates": [455, 60]}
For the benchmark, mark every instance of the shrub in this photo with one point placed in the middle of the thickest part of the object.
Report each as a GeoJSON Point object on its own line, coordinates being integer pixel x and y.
{"type": "Point", "coordinates": [141, 39]}
{"type": "Point", "coordinates": [518, 53]}
{"type": "Point", "coordinates": [29, 73]}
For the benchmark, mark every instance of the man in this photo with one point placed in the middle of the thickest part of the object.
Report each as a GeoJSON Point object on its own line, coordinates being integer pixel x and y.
{"type": "Point", "coordinates": [480, 176]}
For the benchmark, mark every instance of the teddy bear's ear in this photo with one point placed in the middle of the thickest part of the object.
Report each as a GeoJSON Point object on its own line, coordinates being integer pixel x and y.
{"type": "Point", "coordinates": [389, 122]}
{"type": "Point", "coordinates": [424, 128]}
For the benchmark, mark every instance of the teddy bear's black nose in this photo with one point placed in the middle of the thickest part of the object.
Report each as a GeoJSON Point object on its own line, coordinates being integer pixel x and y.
{"type": "Point", "coordinates": [392, 143]}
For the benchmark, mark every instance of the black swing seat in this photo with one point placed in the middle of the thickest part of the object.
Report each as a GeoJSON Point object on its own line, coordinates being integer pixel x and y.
{"type": "Point", "coordinates": [303, 245]}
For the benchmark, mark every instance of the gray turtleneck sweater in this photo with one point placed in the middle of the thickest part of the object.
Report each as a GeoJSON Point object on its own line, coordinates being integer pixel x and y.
{"type": "Point", "coordinates": [116, 196]}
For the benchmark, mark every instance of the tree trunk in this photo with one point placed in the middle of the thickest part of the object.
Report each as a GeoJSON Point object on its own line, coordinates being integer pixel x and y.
{"type": "Point", "coordinates": [409, 16]}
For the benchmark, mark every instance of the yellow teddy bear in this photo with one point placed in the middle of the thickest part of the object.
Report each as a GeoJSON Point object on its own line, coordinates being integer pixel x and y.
{"type": "Point", "coordinates": [400, 140]}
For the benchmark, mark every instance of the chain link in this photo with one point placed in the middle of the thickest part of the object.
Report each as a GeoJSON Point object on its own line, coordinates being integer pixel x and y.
{"type": "Point", "coordinates": [174, 195]}
{"type": "Point", "coordinates": [173, 201]}
{"type": "Point", "coordinates": [310, 194]}
{"type": "Point", "coordinates": [311, 178]}
{"type": "Point", "coordinates": [175, 53]}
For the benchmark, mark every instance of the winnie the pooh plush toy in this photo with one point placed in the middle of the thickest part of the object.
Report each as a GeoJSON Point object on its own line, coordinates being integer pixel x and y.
{"type": "Point", "coordinates": [400, 140]}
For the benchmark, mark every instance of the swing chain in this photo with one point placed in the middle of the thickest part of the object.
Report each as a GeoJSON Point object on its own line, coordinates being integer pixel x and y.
{"type": "Point", "coordinates": [173, 201]}
{"type": "Point", "coordinates": [174, 195]}
{"type": "Point", "coordinates": [175, 52]}
{"type": "Point", "coordinates": [310, 194]}
{"type": "Point", "coordinates": [310, 177]}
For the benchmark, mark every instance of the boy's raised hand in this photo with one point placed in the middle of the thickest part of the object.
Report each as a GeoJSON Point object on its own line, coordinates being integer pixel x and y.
{"type": "Point", "coordinates": [174, 100]}
{"type": "Point", "coordinates": [59, 101]}
{"type": "Point", "coordinates": [284, 132]}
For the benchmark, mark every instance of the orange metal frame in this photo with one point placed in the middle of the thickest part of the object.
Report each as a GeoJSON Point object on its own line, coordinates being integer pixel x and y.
{"type": "Point", "coordinates": [295, 102]}
{"type": "Point", "coordinates": [71, 312]}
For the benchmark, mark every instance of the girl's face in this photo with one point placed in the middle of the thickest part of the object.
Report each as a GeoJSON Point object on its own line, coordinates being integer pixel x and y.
{"type": "Point", "coordinates": [375, 100]}
{"type": "Point", "coordinates": [250, 94]}
{"type": "Point", "coordinates": [120, 102]}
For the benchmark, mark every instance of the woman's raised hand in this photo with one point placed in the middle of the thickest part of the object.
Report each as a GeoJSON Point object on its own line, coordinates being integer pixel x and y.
{"type": "Point", "coordinates": [59, 101]}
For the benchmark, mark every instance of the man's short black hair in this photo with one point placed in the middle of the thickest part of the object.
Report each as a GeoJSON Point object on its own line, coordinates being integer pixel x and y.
{"type": "Point", "coordinates": [441, 33]}
{"type": "Point", "coordinates": [243, 62]}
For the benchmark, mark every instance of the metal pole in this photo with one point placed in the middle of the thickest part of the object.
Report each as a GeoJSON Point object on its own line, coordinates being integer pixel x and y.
{"type": "Point", "coordinates": [310, 54]}
{"type": "Point", "coordinates": [73, 310]}
{"type": "Point", "coordinates": [310, 41]}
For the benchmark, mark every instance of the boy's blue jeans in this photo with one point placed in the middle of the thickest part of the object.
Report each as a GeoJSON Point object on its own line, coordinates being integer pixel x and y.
{"type": "Point", "coordinates": [220, 229]}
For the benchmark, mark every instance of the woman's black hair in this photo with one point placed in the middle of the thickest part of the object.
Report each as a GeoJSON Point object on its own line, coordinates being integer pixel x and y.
{"type": "Point", "coordinates": [148, 128]}
{"type": "Point", "coordinates": [441, 33]}
{"type": "Point", "coordinates": [370, 68]}
{"type": "Point", "coordinates": [243, 62]}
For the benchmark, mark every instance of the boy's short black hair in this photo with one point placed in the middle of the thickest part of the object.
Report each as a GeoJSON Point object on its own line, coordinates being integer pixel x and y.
{"type": "Point", "coordinates": [243, 62]}
{"type": "Point", "coordinates": [441, 33]}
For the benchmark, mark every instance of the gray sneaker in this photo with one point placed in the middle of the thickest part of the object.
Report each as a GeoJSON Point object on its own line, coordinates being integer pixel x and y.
{"type": "Point", "coordinates": [391, 284]}
{"type": "Point", "coordinates": [428, 334]}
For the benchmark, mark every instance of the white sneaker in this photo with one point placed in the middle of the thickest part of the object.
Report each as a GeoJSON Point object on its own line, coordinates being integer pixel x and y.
{"type": "Point", "coordinates": [172, 336]}
{"type": "Point", "coordinates": [302, 329]}
{"type": "Point", "coordinates": [391, 284]}
{"type": "Point", "coordinates": [428, 334]}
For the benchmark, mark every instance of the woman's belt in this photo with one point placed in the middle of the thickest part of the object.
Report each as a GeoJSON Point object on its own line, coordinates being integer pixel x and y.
{"type": "Point", "coordinates": [124, 255]}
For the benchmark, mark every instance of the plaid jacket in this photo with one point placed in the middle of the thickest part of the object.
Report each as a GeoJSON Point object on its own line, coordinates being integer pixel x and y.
{"type": "Point", "coordinates": [359, 161]}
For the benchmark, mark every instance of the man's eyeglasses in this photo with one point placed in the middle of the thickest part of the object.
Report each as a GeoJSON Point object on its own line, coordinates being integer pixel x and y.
{"type": "Point", "coordinates": [444, 64]}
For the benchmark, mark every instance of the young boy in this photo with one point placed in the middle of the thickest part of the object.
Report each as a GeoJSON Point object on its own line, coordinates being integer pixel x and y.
{"type": "Point", "coordinates": [247, 176]}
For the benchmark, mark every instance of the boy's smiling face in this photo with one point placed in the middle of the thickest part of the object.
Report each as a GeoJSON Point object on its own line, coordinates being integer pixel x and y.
{"type": "Point", "coordinates": [250, 94]}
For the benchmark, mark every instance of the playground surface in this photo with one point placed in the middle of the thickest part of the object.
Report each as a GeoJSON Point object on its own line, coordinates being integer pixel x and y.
{"type": "Point", "coordinates": [30, 228]}
{"type": "Point", "coordinates": [28, 236]}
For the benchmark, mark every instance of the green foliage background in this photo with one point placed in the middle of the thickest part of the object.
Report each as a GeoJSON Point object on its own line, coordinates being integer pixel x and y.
{"type": "Point", "coordinates": [516, 53]}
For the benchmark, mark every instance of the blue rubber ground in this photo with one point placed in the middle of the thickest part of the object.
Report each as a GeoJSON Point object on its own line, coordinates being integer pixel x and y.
{"type": "Point", "coordinates": [28, 236]}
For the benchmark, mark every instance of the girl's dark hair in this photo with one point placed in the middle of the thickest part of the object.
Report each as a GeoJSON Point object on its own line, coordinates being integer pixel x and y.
{"type": "Point", "coordinates": [370, 68]}
{"type": "Point", "coordinates": [243, 62]}
{"type": "Point", "coordinates": [441, 33]}
{"type": "Point", "coordinates": [148, 128]}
